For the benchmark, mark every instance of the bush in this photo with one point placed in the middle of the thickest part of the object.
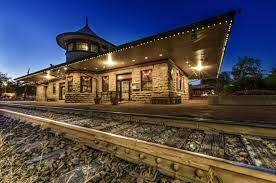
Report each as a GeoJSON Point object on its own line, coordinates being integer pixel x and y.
{"type": "Point", "coordinates": [255, 92]}
{"type": "Point", "coordinates": [230, 88]}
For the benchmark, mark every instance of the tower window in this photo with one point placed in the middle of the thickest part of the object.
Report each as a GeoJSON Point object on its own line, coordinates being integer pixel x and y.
{"type": "Point", "coordinates": [93, 48]}
{"type": "Point", "coordinates": [82, 46]}
{"type": "Point", "coordinates": [70, 46]}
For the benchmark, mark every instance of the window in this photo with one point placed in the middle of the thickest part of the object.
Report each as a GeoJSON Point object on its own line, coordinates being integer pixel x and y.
{"type": "Point", "coordinates": [93, 48]}
{"type": "Point", "coordinates": [70, 46]}
{"type": "Point", "coordinates": [178, 81]}
{"type": "Point", "coordinates": [70, 83]}
{"type": "Point", "coordinates": [54, 89]}
{"type": "Point", "coordinates": [86, 84]}
{"type": "Point", "coordinates": [105, 83]}
{"type": "Point", "coordinates": [146, 80]}
{"type": "Point", "coordinates": [81, 46]}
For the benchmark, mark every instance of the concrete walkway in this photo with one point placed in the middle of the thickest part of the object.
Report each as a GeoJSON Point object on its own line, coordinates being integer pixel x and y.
{"type": "Point", "coordinates": [191, 108]}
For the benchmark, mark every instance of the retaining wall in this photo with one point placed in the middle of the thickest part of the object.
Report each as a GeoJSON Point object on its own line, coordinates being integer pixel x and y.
{"type": "Point", "coordinates": [243, 100]}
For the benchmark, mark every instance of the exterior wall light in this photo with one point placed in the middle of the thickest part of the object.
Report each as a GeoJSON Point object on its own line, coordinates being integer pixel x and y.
{"type": "Point", "coordinates": [48, 77]}
{"type": "Point", "coordinates": [109, 60]}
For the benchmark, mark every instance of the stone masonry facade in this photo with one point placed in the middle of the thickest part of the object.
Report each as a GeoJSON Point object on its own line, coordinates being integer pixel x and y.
{"type": "Point", "coordinates": [165, 75]}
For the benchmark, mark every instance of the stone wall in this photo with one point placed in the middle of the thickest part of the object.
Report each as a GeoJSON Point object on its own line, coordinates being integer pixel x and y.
{"type": "Point", "coordinates": [45, 91]}
{"type": "Point", "coordinates": [164, 80]}
{"type": "Point", "coordinates": [250, 100]}
{"type": "Point", "coordinates": [159, 77]}
{"type": "Point", "coordinates": [173, 72]}
{"type": "Point", "coordinates": [76, 96]}
{"type": "Point", "coordinates": [79, 97]}
{"type": "Point", "coordinates": [40, 92]}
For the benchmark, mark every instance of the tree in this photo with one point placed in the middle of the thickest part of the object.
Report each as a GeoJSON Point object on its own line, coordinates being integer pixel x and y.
{"type": "Point", "coordinates": [3, 79]}
{"type": "Point", "coordinates": [222, 80]}
{"type": "Point", "coordinates": [247, 73]}
{"type": "Point", "coordinates": [16, 87]}
{"type": "Point", "coordinates": [270, 80]}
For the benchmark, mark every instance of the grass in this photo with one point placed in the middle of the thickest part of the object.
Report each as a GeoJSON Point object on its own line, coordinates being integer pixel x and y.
{"type": "Point", "coordinates": [12, 166]}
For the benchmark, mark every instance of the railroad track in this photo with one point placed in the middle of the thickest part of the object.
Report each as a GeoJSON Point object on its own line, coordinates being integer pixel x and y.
{"type": "Point", "coordinates": [33, 154]}
{"type": "Point", "coordinates": [170, 150]}
{"type": "Point", "coordinates": [265, 129]}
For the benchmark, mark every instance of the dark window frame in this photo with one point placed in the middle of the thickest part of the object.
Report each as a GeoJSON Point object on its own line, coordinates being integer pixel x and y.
{"type": "Point", "coordinates": [84, 83]}
{"type": "Point", "coordinates": [70, 85]}
{"type": "Point", "coordinates": [105, 88]}
{"type": "Point", "coordinates": [149, 81]}
{"type": "Point", "coordinates": [54, 88]}
{"type": "Point", "coordinates": [179, 82]}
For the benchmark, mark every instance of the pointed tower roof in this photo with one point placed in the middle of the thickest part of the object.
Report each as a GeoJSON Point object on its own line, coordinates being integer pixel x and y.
{"type": "Point", "coordinates": [84, 33]}
{"type": "Point", "coordinates": [86, 29]}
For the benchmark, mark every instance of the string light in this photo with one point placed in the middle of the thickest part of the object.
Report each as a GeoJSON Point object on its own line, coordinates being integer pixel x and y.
{"type": "Point", "coordinates": [155, 39]}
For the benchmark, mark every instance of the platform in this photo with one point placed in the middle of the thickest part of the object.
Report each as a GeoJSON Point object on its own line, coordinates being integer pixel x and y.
{"type": "Point", "coordinates": [191, 108]}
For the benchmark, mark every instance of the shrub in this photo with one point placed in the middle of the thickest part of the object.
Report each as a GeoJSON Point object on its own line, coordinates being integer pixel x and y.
{"type": "Point", "coordinates": [229, 89]}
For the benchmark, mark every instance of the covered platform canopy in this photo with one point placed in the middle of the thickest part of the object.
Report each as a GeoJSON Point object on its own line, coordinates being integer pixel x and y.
{"type": "Point", "coordinates": [197, 49]}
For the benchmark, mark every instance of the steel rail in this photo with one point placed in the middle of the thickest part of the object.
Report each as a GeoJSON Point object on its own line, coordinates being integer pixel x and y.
{"type": "Point", "coordinates": [261, 129]}
{"type": "Point", "coordinates": [181, 164]}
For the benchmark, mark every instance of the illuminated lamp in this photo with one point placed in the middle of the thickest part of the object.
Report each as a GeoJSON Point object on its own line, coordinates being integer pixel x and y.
{"type": "Point", "coordinates": [109, 60]}
{"type": "Point", "coordinates": [199, 66]}
{"type": "Point", "coordinates": [48, 76]}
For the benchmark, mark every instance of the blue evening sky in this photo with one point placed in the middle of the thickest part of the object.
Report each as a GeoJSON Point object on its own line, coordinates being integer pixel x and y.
{"type": "Point", "coordinates": [28, 28]}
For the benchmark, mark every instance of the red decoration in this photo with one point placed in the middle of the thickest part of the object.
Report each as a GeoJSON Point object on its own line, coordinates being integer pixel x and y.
{"type": "Point", "coordinates": [70, 78]}
{"type": "Point", "coordinates": [86, 78]}
{"type": "Point", "coordinates": [146, 73]}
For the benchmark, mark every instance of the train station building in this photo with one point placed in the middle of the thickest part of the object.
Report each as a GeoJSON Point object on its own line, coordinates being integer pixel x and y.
{"type": "Point", "coordinates": [155, 69]}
